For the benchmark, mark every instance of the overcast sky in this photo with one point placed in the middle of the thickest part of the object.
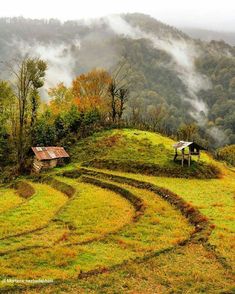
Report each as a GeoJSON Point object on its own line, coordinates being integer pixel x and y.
{"type": "Point", "coordinates": [209, 14]}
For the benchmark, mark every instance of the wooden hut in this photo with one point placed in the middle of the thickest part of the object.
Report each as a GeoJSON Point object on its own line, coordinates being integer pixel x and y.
{"type": "Point", "coordinates": [48, 157]}
{"type": "Point", "coordinates": [192, 147]}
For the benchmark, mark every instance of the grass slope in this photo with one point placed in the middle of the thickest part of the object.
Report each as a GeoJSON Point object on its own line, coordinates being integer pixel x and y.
{"type": "Point", "coordinates": [88, 215]}
{"type": "Point", "coordinates": [94, 243]}
{"type": "Point", "coordinates": [33, 214]}
{"type": "Point", "coordinates": [189, 269]}
{"type": "Point", "coordinates": [214, 198]}
{"type": "Point", "coordinates": [94, 212]}
{"type": "Point", "coordinates": [9, 199]}
{"type": "Point", "coordinates": [161, 227]}
{"type": "Point", "coordinates": [140, 152]}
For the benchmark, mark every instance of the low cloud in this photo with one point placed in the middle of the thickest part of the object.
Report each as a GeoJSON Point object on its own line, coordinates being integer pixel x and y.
{"type": "Point", "coordinates": [219, 136]}
{"type": "Point", "coordinates": [58, 57]}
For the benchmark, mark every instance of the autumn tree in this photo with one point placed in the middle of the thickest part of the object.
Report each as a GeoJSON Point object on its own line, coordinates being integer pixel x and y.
{"type": "Point", "coordinates": [122, 99]}
{"type": "Point", "coordinates": [156, 115]}
{"type": "Point", "coordinates": [113, 100]}
{"type": "Point", "coordinates": [91, 90]}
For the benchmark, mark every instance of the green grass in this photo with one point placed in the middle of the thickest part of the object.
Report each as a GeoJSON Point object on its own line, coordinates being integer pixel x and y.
{"type": "Point", "coordinates": [159, 216]}
{"type": "Point", "coordinates": [45, 237]}
{"type": "Point", "coordinates": [188, 269]}
{"type": "Point", "coordinates": [89, 215]}
{"type": "Point", "coordinates": [127, 144]}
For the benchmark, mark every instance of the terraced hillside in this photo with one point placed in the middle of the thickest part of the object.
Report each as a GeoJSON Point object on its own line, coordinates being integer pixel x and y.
{"type": "Point", "coordinates": [96, 230]}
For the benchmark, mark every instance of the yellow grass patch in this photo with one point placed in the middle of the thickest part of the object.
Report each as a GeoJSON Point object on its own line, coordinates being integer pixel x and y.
{"type": "Point", "coordinates": [9, 199]}
{"type": "Point", "coordinates": [94, 212]}
{"type": "Point", "coordinates": [32, 214]}
{"type": "Point", "coordinates": [214, 198]}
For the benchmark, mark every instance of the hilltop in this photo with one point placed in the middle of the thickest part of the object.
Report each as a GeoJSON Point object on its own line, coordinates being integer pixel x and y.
{"type": "Point", "coordinates": [138, 151]}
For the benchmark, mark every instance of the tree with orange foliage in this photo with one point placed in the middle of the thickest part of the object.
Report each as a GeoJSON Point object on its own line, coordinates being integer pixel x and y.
{"type": "Point", "coordinates": [91, 90]}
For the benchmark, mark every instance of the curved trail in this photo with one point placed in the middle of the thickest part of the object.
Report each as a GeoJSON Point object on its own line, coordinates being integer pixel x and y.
{"type": "Point", "coordinates": [59, 224]}
{"type": "Point", "coordinates": [200, 234]}
{"type": "Point", "coordinates": [203, 228]}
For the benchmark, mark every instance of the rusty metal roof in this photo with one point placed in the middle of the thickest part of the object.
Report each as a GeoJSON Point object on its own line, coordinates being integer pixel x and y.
{"type": "Point", "coordinates": [48, 153]}
{"type": "Point", "coordinates": [182, 144]}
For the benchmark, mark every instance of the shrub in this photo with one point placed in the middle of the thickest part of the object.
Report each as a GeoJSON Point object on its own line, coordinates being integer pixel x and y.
{"type": "Point", "coordinates": [227, 154]}
{"type": "Point", "coordinates": [9, 174]}
{"type": "Point", "coordinates": [24, 189]}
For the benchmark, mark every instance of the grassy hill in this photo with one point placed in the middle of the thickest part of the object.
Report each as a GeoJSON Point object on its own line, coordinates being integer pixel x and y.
{"type": "Point", "coordinates": [140, 152]}
{"type": "Point", "coordinates": [96, 230]}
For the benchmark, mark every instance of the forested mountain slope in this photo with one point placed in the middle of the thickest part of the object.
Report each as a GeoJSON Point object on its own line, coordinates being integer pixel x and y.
{"type": "Point", "coordinates": [172, 77]}
{"type": "Point", "coordinates": [208, 35]}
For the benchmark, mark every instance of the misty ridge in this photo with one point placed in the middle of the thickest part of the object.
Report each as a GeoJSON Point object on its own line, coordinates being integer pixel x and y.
{"type": "Point", "coordinates": [208, 35]}
{"type": "Point", "coordinates": [187, 79]}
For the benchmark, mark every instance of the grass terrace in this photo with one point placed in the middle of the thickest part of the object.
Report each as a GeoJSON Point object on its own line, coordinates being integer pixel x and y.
{"type": "Point", "coordinates": [9, 198]}
{"type": "Point", "coordinates": [33, 214]}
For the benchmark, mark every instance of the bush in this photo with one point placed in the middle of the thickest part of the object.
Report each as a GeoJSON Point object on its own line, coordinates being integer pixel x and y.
{"type": "Point", "coordinates": [8, 174]}
{"type": "Point", "coordinates": [227, 154]}
{"type": "Point", "coordinates": [24, 189]}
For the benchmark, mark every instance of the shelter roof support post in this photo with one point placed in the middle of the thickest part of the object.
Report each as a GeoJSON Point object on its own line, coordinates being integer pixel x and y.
{"type": "Point", "coordinates": [182, 162]}
{"type": "Point", "coordinates": [189, 157]}
{"type": "Point", "coordinates": [176, 154]}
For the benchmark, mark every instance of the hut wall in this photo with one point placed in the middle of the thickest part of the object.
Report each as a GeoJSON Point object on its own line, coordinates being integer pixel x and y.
{"type": "Point", "coordinates": [37, 165]}
{"type": "Point", "coordinates": [49, 163]}
{"type": "Point", "coordinates": [44, 164]}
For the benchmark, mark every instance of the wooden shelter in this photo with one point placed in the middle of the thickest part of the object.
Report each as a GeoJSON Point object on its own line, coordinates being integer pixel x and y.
{"type": "Point", "coordinates": [48, 157]}
{"type": "Point", "coordinates": [193, 149]}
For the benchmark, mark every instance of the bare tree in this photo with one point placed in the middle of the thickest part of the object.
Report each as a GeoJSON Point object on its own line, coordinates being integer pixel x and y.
{"type": "Point", "coordinates": [119, 90]}
{"type": "Point", "coordinates": [113, 94]}
{"type": "Point", "coordinates": [123, 97]}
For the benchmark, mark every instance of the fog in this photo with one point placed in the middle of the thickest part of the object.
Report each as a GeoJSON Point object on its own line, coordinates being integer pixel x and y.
{"type": "Point", "coordinates": [183, 53]}
{"type": "Point", "coordinates": [218, 135]}
{"type": "Point", "coordinates": [58, 57]}
{"type": "Point", "coordinates": [210, 14]}
{"type": "Point", "coordinates": [95, 51]}
{"type": "Point", "coordinates": [67, 60]}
